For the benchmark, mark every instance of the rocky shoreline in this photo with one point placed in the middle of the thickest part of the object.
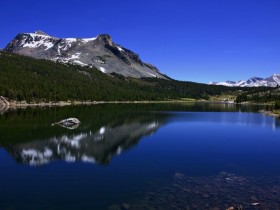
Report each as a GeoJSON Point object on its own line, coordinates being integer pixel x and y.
{"type": "Point", "coordinates": [272, 113]}
{"type": "Point", "coordinates": [8, 104]}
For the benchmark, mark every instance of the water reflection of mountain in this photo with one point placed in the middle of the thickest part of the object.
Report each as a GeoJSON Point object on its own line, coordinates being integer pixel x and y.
{"type": "Point", "coordinates": [101, 135]}
{"type": "Point", "coordinates": [99, 146]}
{"type": "Point", "coordinates": [105, 131]}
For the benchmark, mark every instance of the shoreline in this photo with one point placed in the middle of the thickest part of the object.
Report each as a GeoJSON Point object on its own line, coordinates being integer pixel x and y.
{"type": "Point", "coordinates": [6, 104]}
{"type": "Point", "coordinates": [69, 103]}
{"type": "Point", "coordinates": [269, 113]}
{"type": "Point", "coordinates": [9, 104]}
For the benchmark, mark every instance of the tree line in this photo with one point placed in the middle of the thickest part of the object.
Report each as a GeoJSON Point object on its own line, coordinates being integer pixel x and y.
{"type": "Point", "coordinates": [261, 95]}
{"type": "Point", "coordinates": [35, 80]}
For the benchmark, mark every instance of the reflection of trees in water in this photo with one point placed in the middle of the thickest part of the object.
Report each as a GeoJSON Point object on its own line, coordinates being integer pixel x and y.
{"type": "Point", "coordinates": [90, 147]}
{"type": "Point", "coordinates": [106, 130]}
{"type": "Point", "coordinates": [90, 144]}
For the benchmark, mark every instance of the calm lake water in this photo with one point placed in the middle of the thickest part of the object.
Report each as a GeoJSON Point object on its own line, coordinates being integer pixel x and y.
{"type": "Point", "coordinates": [184, 156]}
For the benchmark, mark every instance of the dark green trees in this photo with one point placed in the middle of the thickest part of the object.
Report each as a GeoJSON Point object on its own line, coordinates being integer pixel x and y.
{"type": "Point", "coordinates": [24, 78]}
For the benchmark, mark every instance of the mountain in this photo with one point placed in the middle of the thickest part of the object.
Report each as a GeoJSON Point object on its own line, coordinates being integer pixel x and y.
{"type": "Point", "coordinates": [271, 81]}
{"type": "Point", "coordinates": [100, 52]}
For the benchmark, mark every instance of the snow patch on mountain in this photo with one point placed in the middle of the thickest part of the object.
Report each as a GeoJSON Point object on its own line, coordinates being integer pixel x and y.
{"type": "Point", "coordinates": [120, 49]}
{"type": "Point", "coordinates": [102, 69]}
{"type": "Point", "coordinates": [89, 39]}
{"type": "Point", "coordinates": [79, 63]}
{"type": "Point", "coordinates": [152, 74]}
{"type": "Point", "coordinates": [76, 55]}
{"type": "Point", "coordinates": [37, 41]}
{"type": "Point", "coordinates": [69, 40]}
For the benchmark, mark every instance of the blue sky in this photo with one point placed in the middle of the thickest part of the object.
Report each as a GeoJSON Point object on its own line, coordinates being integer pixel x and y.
{"type": "Point", "coordinates": [191, 40]}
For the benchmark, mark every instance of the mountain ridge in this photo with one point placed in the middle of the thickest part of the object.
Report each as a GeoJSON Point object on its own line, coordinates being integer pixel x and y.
{"type": "Point", "coordinates": [272, 81]}
{"type": "Point", "coordinates": [100, 52]}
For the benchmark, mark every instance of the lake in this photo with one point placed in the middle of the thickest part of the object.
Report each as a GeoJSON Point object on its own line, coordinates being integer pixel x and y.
{"type": "Point", "coordinates": [133, 156]}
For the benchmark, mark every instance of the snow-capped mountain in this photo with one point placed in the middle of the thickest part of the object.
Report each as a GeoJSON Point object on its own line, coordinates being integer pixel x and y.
{"type": "Point", "coordinates": [271, 81]}
{"type": "Point", "coordinates": [100, 52]}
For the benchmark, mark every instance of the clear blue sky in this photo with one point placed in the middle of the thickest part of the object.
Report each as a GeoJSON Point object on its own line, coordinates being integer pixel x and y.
{"type": "Point", "coordinates": [192, 40]}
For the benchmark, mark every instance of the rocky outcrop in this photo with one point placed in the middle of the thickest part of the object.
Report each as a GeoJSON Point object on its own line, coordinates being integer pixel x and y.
{"type": "Point", "coordinates": [69, 123]}
{"type": "Point", "coordinates": [100, 52]}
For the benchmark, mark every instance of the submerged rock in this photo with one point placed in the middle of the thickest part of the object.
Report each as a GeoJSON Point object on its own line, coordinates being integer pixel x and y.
{"type": "Point", "coordinates": [69, 123]}
{"type": "Point", "coordinates": [213, 192]}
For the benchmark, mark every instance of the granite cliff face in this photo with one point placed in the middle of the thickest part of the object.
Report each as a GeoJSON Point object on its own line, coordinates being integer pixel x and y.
{"type": "Point", "coordinates": [100, 52]}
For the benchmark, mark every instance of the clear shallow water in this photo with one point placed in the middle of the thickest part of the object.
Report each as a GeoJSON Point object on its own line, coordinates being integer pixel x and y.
{"type": "Point", "coordinates": [197, 156]}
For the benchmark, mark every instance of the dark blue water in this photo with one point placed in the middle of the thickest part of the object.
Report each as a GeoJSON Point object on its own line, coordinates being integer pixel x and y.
{"type": "Point", "coordinates": [119, 156]}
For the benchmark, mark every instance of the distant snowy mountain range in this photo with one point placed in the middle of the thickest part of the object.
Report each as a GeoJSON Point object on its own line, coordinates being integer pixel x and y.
{"type": "Point", "coordinates": [271, 81]}
{"type": "Point", "coordinates": [100, 52]}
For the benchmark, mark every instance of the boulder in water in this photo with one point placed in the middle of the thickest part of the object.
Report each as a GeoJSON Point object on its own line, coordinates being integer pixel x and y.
{"type": "Point", "coordinates": [69, 123]}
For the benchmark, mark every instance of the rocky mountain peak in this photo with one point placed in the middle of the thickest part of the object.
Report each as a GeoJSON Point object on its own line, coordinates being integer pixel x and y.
{"type": "Point", "coordinates": [100, 52]}
{"type": "Point", "coordinates": [105, 37]}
